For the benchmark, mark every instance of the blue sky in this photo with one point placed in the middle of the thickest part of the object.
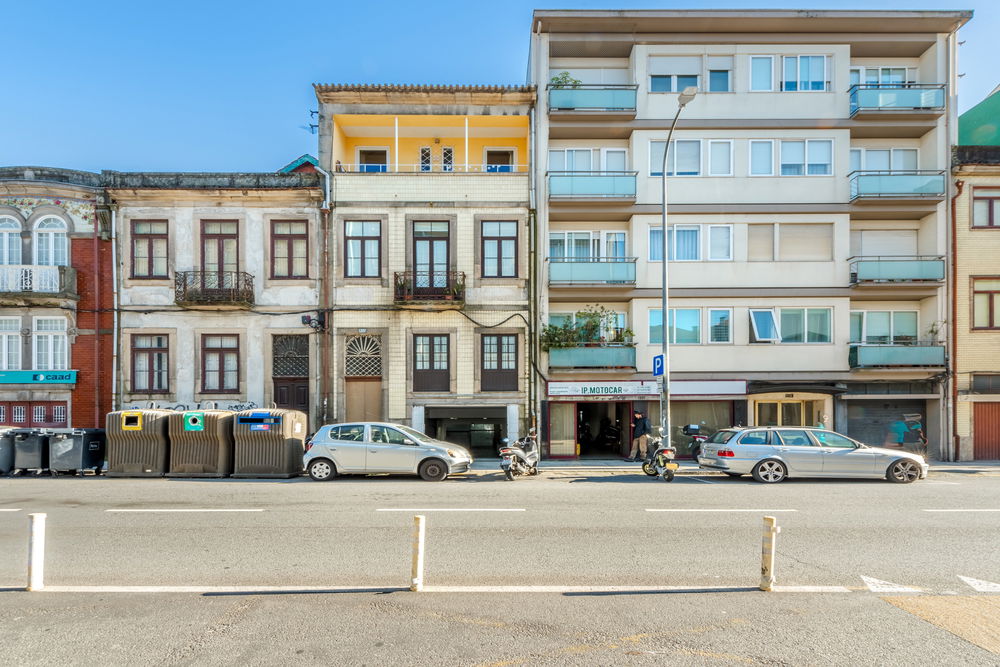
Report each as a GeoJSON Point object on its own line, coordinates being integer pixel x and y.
{"type": "Point", "coordinates": [217, 85]}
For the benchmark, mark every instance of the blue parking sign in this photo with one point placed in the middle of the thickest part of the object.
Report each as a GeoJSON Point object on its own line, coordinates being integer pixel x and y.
{"type": "Point", "coordinates": [658, 365]}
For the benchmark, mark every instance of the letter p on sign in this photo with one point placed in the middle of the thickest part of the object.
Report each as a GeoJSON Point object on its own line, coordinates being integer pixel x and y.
{"type": "Point", "coordinates": [658, 365]}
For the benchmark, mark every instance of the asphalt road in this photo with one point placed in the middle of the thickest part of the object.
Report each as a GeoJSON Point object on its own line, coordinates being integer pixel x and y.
{"type": "Point", "coordinates": [577, 529]}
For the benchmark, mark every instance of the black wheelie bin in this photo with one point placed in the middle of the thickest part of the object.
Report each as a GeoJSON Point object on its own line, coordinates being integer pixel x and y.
{"type": "Point", "coordinates": [6, 450]}
{"type": "Point", "coordinates": [31, 450]}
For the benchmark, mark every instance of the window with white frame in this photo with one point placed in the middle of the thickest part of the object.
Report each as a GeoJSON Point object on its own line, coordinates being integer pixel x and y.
{"type": "Point", "coordinates": [683, 243]}
{"type": "Point", "coordinates": [720, 328]}
{"type": "Point", "coordinates": [19, 414]}
{"type": "Point", "coordinates": [720, 74]}
{"type": "Point", "coordinates": [612, 327]}
{"type": "Point", "coordinates": [59, 414]}
{"type": "Point", "coordinates": [761, 73]}
{"type": "Point", "coordinates": [812, 158]}
{"type": "Point", "coordinates": [447, 158]}
{"type": "Point", "coordinates": [580, 245]}
{"type": "Point", "coordinates": [672, 74]}
{"type": "Point", "coordinates": [10, 241]}
{"type": "Point", "coordinates": [10, 343]}
{"type": "Point", "coordinates": [790, 242]}
{"type": "Point", "coordinates": [425, 158]}
{"type": "Point", "coordinates": [720, 243]}
{"type": "Point", "coordinates": [884, 327]}
{"type": "Point", "coordinates": [720, 157]}
{"type": "Point", "coordinates": [50, 344]}
{"type": "Point", "coordinates": [762, 157]}
{"type": "Point", "coordinates": [805, 325]}
{"type": "Point", "coordinates": [51, 243]}
{"type": "Point", "coordinates": [884, 159]}
{"type": "Point", "coordinates": [38, 413]}
{"type": "Point", "coordinates": [683, 326]}
{"type": "Point", "coordinates": [683, 158]}
{"type": "Point", "coordinates": [571, 159]}
{"type": "Point", "coordinates": [804, 73]}
{"type": "Point", "coordinates": [883, 76]}
{"type": "Point", "coordinates": [763, 326]}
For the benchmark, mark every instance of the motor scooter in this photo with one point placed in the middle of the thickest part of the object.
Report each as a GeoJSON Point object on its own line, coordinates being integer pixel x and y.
{"type": "Point", "coordinates": [521, 458]}
{"type": "Point", "coordinates": [694, 430]}
{"type": "Point", "coordinates": [661, 462]}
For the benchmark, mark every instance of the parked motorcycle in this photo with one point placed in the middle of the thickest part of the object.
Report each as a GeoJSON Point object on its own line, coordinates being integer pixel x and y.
{"type": "Point", "coordinates": [697, 438]}
{"type": "Point", "coordinates": [661, 462]}
{"type": "Point", "coordinates": [521, 458]}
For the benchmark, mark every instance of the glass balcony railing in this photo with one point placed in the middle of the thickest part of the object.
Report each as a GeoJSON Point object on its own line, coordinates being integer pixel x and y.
{"type": "Point", "coordinates": [892, 269]}
{"type": "Point", "coordinates": [897, 183]}
{"type": "Point", "coordinates": [888, 356]}
{"type": "Point", "coordinates": [592, 97]}
{"type": "Point", "coordinates": [592, 270]}
{"type": "Point", "coordinates": [591, 184]}
{"type": "Point", "coordinates": [896, 97]}
{"type": "Point", "coordinates": [596, 356]}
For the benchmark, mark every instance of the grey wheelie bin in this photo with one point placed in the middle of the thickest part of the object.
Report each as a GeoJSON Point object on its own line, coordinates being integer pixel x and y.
{"type": "Point", "coordinates": [269, 443]}
{"type": "Point", "coordinates": [77, 450]}
{"type": "Point", "coordinates": [138, 444]}
{"type": "Point", "coordinates": [31, 450]}
{"type": "Point", "coordinates": [6, 450]}
{"type": "Point", "coordinates": [201, 443]}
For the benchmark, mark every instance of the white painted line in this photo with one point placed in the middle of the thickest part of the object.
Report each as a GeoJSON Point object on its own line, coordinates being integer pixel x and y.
{"type": "Point", "coordinates": [968, 510]}
{"type": "Point", "coordinates": [941, 483]}
{"type": "Point", "coordinates": [719, 510]}
{"type": "Point", "coordinates": [879, 586]}
{"type": "Point", "coordinates": [188, 510]}
{"type": "Point", "coordinates": [695, 479]}
{"type": "Point", "coordinates": [585, 589]}
{"type": "Point", "coordinates": [447, 509]}
{"type": "Point", "coordinates": [980, 585]}
{"type": "Point", "coordinates": [810, 589]}
{"type": "Point", "coordinates": [222, 589]}
{"type": "Point", "coordinates": [10, 510]}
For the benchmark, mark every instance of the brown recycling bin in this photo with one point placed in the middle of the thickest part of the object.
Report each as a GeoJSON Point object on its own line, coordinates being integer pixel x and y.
{"type": "Point", "coordinates": [269, 443]}
{"type": "Point", "coordinates": [138, 444]}
{"type": "Point", "coordinates": [201, 443]}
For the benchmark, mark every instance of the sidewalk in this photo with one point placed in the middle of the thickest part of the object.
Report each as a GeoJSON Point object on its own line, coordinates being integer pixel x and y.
{"type": "Point", "coordinates": [688, 467]}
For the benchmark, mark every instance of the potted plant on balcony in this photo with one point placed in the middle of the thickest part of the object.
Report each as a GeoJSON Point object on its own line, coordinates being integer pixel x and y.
{"type": "Point", "coordinates": [564, 80]}
{"type": "Point", "coordinates": [456, 291]}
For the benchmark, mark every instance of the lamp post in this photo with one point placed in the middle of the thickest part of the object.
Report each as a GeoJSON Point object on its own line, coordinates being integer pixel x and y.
{"type": "Point", "coordinates": [682, 99]}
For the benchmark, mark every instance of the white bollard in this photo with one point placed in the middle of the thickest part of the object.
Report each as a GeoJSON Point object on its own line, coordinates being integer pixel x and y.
{"type": "Point", "coordinates": [417, 567]}
{"type": "Point", "coordinates": [36, 552]}
{"type": "Point", "coordinates": [768, 543]}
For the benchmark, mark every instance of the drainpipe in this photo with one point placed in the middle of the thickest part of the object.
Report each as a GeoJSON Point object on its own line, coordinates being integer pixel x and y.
{"type": "Point", "coordinates": [97, 325]}
{"type": "Point", "coordinates": [324, 297]}
{"type": "Point", "coordinates": [953, 454]}
{"type": "Point", "coordinates": [532, 279]}
{"type": "Point", "coordinates": [115, 360]}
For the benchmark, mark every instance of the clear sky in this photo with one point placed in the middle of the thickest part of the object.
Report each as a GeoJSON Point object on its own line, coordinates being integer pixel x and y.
{"type": "Point", "coordinates": [218, 85]}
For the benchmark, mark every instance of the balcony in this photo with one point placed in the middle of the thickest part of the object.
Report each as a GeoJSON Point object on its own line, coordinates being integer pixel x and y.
{"type": "Point", "coordinates": [894, 99]}
{"type": "Point", "coordinates": [608, 356]}
{"type": "Point", "coordinates": [214, 289]}
{"type": "Point", "coordinates": [883, 270]}
{"type": "Point", "coordinates": [33, 281]}
{"type": "Point", "coordinates": [443, 288]}
{"type": "Point", "coordinates": [915, 355]}
{"type": "Point", "coordinates": [573, 271]}
{"type": "Point", "coordinates": [593, 100]}
{"type": "Point", "coordinates": [508, 184]}
{"type": "Point", "coordinates": [917, 185]}
{"type": "Point", "coordinates": [592, 185]}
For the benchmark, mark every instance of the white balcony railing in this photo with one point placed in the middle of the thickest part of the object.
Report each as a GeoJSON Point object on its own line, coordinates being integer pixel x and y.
{"type": "Point", "coordinates": [432, 168]}
{"type": "Point", "coordinates": [29, 278]}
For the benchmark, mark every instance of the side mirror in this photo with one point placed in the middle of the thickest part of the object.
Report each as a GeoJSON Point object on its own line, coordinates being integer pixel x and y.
{"type": "Point", "coordinates": [407, 441]}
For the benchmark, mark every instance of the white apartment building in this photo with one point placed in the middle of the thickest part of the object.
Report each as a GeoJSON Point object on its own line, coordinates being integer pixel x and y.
{"type": "Point", "coordinates": [808, 219]}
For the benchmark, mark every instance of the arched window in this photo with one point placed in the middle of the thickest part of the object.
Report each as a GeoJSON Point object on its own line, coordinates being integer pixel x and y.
{"type": "Point", "coordinates": [10, 241]}
{"type": "Point", "coordinates": [51, 243]}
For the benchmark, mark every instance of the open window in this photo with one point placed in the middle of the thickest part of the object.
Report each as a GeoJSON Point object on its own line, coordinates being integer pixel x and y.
{"type": "Point", "coordinates": [763, 326]}
{"type": "Point", "coordinates": [373, 159]}
{"type": "Point", "coordinates": [499, 159]}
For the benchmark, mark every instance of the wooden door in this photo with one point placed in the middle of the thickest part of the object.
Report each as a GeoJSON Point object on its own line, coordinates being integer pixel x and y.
{"type": "Point", "coordinates": [292, 393]}
{"type": "Point", "coordinates": [363, 398]}
{"type": "Point", "coordinates": [986, 431]}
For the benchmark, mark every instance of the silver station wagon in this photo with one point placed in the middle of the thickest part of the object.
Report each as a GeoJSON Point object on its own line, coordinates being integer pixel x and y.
{"type": "Point", "coordinates": [774, 453]}
{"type": "Point", "coordinates": [377, 447]}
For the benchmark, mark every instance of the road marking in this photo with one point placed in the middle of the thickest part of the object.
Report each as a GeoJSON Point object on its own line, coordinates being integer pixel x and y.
{"type": "Point", "coordinates": [703, 481]}
{"type": "Point", "coordinates": [10, 510]}
{"type": "Point", "coordinates": [810, 589]}
{"type": "Point", "coordinates": [222, 589]}
{"type": "Point", "coordinates": [449, 509]}
{"type": "Point", "coordinates": [968, 510]}
{"type": "Point", "coordinates": [189, 510]}
{"type": "Point", "coordinates": [980, 585]}
{"type": "Point", "coordinates": [717, 510]}
{"type": "Point", "coordinates": [708, 588]}
{"type": "Point", "coordinates": [942, 483]}
{"type": "Point", "coordinates": [879, 586]}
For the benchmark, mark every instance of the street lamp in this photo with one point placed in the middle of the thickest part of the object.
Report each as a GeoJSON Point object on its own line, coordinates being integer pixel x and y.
{"type": "Point", "coordinates": [682, 99]}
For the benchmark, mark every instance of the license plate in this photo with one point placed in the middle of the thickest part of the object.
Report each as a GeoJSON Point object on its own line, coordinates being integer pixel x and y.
{"type": "Point", "coordinates": [505, 463]}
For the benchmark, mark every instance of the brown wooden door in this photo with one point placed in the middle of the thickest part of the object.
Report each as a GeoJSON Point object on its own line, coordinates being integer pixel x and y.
{"type": "Point", "coordinates": [292, 393]}
{"type": "Point", "coordinates": [986, 431]}
{"type": "Point", "coordinates": [363, 399]}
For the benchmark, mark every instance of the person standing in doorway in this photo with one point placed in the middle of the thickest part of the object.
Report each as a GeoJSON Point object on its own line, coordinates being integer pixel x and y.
{"type": "Point", "coordinates": [640, 437]}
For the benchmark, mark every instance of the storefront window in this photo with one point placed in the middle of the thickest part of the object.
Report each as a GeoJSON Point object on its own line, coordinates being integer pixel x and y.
{"type": "Point", "coordinates": [709, 415]}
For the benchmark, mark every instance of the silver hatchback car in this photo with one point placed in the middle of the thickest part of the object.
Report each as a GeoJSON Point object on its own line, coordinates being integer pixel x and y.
{"type": "Point", "coordinates": [774, 453]}
{"type": "Point", "coordinates": [378, 447]}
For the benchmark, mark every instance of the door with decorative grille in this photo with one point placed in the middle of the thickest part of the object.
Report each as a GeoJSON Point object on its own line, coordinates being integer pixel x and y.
{"type": "Point", "coordinates": [363, 378]}
{"type": "Point", "coordinates": [290, 371]}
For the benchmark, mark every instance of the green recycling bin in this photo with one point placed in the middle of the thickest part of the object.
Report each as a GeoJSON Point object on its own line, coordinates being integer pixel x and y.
{"type": "Point", "coordinates": [201, 443]}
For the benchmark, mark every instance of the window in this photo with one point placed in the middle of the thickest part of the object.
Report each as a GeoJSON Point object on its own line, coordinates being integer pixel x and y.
{"type": "Point", "coordinates": [20, 414]}
{"type": "Point", "coordinates": [499, 362]}
{"type": "Point", "coordinates": [348, 433]}
{"type": "Point", "coordinates": [59, 414]}
{"type": "Point", "coordinates": [884, 159]}
{"type": "Point", "coordinates": [883, 76]}
{"type": "Point", "coordinates": [220, 363]}
{"type": "Point", "coordinates": [574, 245]}
{"type": "Point", "coordinates": [499, 251]}
{"type": "Point", "coordinates": [289, 249]}
{"type": "Point", "coordinates": [362, 248]}
{"type": "Point", "coordinates": [805, 242]}
{"type": "Point", "coordinates": [614, 245]}
{"type": "Point", "coordinates": [754, 438]}
{"type": "Point", "coordinates": [150, 370]}
{"type": "Point", "coordinates": [831, 439]}
{"type": "Point", "coordinates": [50, 344]}
{"type": "Point", "coordinates": [794, 438]}
{"type": "Point", "coordinates": [10, 241]}
{"type": "Point", "coordinates": [683, 158]}
{"type": "Point", "coordinates": [718, 81]}
{"type": "Point", "coordinates": [761, 73]}
{"type": "Point", "coordinates": [683, 243]}
{"type": "Point", "coordinates": [373, 159]}
{"type": "Point", "coordinates": [10, 344]}
{"type": "Point", "coordinates": [763, 326]}
{"type": "Point", "coordinates": [720, 242]}
{"type": "Point", "coordinates": [804, 73]}
{"type": "Point", "coordinates": [884, 327]}
{"type": "Point", "coordinates": [430, 363]}
{"type": "Point", "coordinates": [571, 159]}
{"type": "Point", "coordinates": [762, 158]}
{"type": "Point", "coordinates": [425, 158]}
{"type": "Point", "coordinates": [760, 243]}
{"type": "Point", "coordinates": [50, 242]}
{"type": "Point", "coordinates": [683, 326]}
{"type": "Point", "coordinates": [986, 303]}
{"type": "Point", "coordinates": [981, 384]}
{"type": "Point", "coordinates": [38, 413]}
{"type": "Point", "coordinates": [672, 74]}
{"type": "Point", "coordinates": [149, 249]}
{"type": "Point", "coordinates": [499, 160]}
{"type": "Point", "coordinates": [814, 158]}
{"type": "Point", "coordinates": [720, 158]}
{"type": "Point", "coordinates": [985, 208]}
{"type": "Point", "coordinates": [805, 325]}
{"type": "Point", "coordinates": [387, 436]}
{"type": "Point", "coordinates": [447, 158]}
{"type": "Point", "coordinates": [720, 325]}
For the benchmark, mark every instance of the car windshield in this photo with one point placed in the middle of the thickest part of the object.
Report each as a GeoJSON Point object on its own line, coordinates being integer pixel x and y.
{"type": "Point", "coordinates": [721, 437]}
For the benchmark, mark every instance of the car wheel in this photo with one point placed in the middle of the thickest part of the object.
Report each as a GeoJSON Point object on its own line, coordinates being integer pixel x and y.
{"type": "Point", "coordinates": [433, 470]}
{"type": "Point", "coordinates": [649, 469]}
{"type": "Point", "coordinates": [770, 471]}
{"type": "Point", "coordinates": [321, 470]}
{"type": "Point", "coordinates": [734, 475]}
{"type": "Point", "coordinates": [903, 471]}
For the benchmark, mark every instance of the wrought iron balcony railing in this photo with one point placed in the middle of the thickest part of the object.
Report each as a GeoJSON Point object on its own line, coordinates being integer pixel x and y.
{"type": "Point", "coordinates": [418, 286]}
{"type": "Point", "coordinates": [224, 288]}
